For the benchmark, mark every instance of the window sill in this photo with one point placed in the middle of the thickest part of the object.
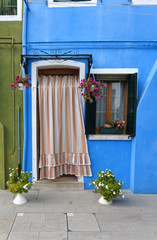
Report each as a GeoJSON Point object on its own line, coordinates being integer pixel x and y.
{"type": "Point", "coordinates": [52, 4]}
{"type": "Point", "coordinates": [109, 137]}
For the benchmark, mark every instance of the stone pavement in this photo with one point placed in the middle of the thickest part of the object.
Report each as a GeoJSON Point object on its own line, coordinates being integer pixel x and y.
{"type": "Point", "coordinates": [77, 215]}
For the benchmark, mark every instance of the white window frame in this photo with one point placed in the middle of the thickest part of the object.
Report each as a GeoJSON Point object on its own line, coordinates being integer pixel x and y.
{"type": "Point", "coordinates": [51, 4]}
{"type": "Point", "coordinates": [144, 2]}
{"type": "Point", "coordinates": [17, 17]}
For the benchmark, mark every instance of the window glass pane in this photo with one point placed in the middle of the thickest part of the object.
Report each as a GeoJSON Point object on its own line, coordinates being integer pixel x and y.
{"type": "Point", "coordinates": [8, 7]}
{"type": "Point", "coordinates": [101, 109]}
{"type": "Point", "coordinates": [117, 100]}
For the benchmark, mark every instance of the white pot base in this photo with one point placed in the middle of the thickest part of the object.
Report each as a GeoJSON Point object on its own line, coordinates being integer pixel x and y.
{"type": "Point", "coordinates": [21, 87]}
{"type": "Point", "coordinates": [19, 199]}
{"type": "Point", "coordinates": [103, 201]}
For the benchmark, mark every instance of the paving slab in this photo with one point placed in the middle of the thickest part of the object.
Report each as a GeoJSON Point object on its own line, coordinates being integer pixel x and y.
{"type": "Point", "coordinates": [52, 223]}
{"type": "Point", "coordinates": [52, 236]}
{"type": "Point", "coordinates": [90, 236]}
{"type": "Point", "coordinates": [29, 218]}
{"type": "Point", "coordinates": [21, 227]}
{"type": "Point", "coordinates": [134, 236]}
{"type": "Point", "coordinates": [123, 226]}
{"type": "Point", "coordinates": [23, 236]}
{"type": "Point", "coordinates": [82, 223]}
{"type": "Point", "coordinates": [129, 217]}
{"type": "Point", "coordinates": [3, 235]}
{"type": "Point", "coordinates": [5, 225]}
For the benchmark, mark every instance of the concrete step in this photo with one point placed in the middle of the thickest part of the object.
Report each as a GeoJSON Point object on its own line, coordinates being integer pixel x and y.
{"type": "Point", "coordinates": [64, 182]}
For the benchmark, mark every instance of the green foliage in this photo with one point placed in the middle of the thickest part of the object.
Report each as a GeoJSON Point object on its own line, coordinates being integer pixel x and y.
{"type": "Point", "coordinates": [19, 184]}
{"type": "Point", "coordinates": [107, 185]}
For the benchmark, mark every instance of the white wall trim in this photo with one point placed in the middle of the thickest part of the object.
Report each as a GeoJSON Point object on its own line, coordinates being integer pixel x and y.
{"type": "Point", "coordinates": [114, 71]}
{"type": "Point", "coordinates": [35, 67]}
{"type": "Point", "coordinates": [17, 17]}
{"type": "Point", "coordinates": [51, 4]}
{"type": "Point", "coordinates": [109, 137]}
{"type": "Point", "coordinates": [144, 2]}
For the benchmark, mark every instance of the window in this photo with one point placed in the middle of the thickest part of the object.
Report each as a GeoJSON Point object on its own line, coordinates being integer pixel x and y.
{"type": "Point", "coordinates": [119, 101]}
{"type": "Point", "coordinates": [8, 7]}
{"type": "Point", "coordinates": [10, 10]}
{"type": "Point", "coordinates": [71, 3]}
{"type": "Point", "coordinates": [144, 2]}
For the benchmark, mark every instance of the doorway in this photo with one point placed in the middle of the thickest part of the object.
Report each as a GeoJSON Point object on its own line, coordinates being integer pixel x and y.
{"type": "Point", "coordinates": [62, 147]}
{"type": "Point", "coordinates": [43, 65]}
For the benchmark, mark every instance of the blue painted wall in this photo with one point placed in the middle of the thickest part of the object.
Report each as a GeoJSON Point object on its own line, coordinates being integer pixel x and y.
{"type": "Point", "coordinates": [117, 36]}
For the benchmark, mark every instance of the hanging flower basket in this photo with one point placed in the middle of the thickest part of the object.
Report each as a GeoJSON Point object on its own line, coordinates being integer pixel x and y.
{"type": "Point", "coordinates": [91, 89]}
{"type": "Point", "coordinates": [21, 83]}
{"type": "Point", "coordinates": [21, 86]}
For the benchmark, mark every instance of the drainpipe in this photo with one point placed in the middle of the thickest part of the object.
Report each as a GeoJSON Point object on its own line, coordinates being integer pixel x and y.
{"type": "Point", "coordinates": [24, 51]}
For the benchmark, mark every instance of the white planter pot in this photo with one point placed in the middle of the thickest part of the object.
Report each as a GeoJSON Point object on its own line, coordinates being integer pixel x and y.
{"type": "Point", "coordinates": [103, 201]}
{"type": "Point", "coordinates": [19, 199]}
{"type": "Point", "coordinates": [21, 87]}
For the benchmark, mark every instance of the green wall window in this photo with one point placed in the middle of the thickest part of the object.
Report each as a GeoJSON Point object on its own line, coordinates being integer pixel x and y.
{"type": "Point", "coordinates": [8, 7]}
{"type": "Point", "coordinates": [119, 101]}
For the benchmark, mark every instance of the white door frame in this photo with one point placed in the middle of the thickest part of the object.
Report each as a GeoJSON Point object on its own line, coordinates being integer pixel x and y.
{"type": "Point", "coordinates": [35, 67]}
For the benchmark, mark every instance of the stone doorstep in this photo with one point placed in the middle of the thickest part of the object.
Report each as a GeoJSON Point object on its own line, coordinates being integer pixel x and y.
{"type": "Point", "coordinates": [65, 182]}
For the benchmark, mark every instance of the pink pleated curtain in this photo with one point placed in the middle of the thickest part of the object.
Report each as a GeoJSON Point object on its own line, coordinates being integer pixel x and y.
{"type": "Point", "coordinates": [63, 146]}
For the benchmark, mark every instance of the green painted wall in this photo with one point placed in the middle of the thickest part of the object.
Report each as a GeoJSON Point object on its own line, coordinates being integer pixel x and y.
{"type": "Point", "coordinates": [10, 51]}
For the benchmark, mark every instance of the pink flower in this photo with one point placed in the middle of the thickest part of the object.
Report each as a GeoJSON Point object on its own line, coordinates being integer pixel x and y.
{"type": "Point", "coordinates": [27, 87]}
{"type": "Point", "coordinates": [88, 90]}
{"type": "Point", "coordinates": [23, 83]}
{"type": "Point", "coordinates": [12, 86]}
{"type": "Point", "coordinates": [81, 94]}
{"type": "Point", "coordinates": [30, 85]}
{"type": "Point", "coordinates": [17, 78]}
{"type": "Point", "coordinates": [95, 88]}
{"type": "Point", "coordinates": [29, 79]}
{"type": "Point", "coordinates": [102, 85]}
{"type": "Point", "coordinates": [118, 125]}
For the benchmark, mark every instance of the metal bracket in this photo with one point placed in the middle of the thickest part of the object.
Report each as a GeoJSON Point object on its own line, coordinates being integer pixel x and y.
{"type": "Point", "coordinates": [24, 58]}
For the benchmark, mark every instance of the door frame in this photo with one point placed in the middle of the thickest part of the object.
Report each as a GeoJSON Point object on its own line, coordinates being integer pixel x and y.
{"type": "Point", "coordinates": [47, 65]}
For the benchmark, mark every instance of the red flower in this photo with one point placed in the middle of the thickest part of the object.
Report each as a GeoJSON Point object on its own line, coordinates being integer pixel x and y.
{"type": "Point", "coordinates": [17, 78]}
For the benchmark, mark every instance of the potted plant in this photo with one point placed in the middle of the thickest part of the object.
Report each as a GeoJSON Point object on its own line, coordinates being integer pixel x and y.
{"type": "Point", "coordinates": [22, 83]}
{"type": "Point", "coordinates": [107, 186]}
{"type": "Point", "coordinates": [19, 183]}
{"type": "Point", "coordinates": [113, 127]}
{"type": "Point", "coordinates": [91, 89]}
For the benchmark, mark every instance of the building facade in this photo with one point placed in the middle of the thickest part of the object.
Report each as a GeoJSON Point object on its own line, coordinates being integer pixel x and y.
{"type": "Point", "coordinates": [10, 51]}
{"type": "Point", "coordinates": [114, 42]}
